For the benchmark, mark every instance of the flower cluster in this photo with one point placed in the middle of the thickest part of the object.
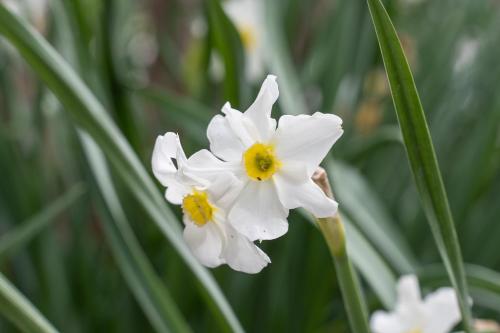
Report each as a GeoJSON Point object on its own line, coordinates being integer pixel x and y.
{"type": "Point", "coordinates": [243, 188]}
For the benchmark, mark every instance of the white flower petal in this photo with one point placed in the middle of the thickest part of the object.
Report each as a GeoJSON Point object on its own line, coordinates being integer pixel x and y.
{"type": "Point", "coordinates": [260, 111]}
{"type": "Point", "coordinates": [409, 291]}
{"type": "Point", "coordinates": [384, 322]}
{"type": "Point", "coordinates": [203, 167]}
{"type": "Point", "coordinates": [165, 149]}
{"type": "Point", "coordinates": [442, 311]}
{"type": "Point", "coordinates": [307, 138]}
{"type": "Point", "coordinates": [410, 307]}
{"type": "Point", "coordinates": [257, 213]}
{"type": "Point", "coordinates": [223, 141]}
{"type": "Point", "coordinates": [242, 255]}
{"type": "Point", "coordinates": [176, 192]}
{"type": "Point", "coordinates": [205, 242]}
{"type": "Point", "coordinates": [243, 127]}
{"type": "Point", "coordinates": [204, 160]}
{"type": "Point", "coordinates": [225, 189]}
{"type": "Point", "coordinates": [296, 189]}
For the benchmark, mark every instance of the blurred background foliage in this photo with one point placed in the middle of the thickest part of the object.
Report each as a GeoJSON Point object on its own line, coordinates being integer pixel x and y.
{"type": "Point", "coordinates": [162, 65]}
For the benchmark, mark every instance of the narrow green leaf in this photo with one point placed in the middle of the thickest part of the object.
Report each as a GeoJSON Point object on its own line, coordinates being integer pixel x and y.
{"type": "Point", "coordinates": [147, 287]}
{"type": "Point", "coordinates": [190, 116]}
{"type": "Point", "coordinates": [20, 236]}
{"type": "Point", "coordinates": [360, 203]}
{"type": "Point", "coordinates": [484, 283]}
{"type": "Point", "coordinates": [370, 265]}
{"type": "Point", "coordinates": [280, 63]}
{"type": "Point", "coordinates": [226, 40]}
{"type": "Point", "coordinates": [367, 261]}
{"type": "Point", "coordinates": [362, 147]}
{"type": "Point", "coordinates": [421, 153]}
{"type": "Point", "coordinates": [15, 307]}
{"type": "Point", "coordinates": [90, 115]}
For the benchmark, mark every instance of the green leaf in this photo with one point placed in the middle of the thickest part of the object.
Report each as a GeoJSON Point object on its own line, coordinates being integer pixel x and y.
{"type": "Point", "coordinates": [484, 283]}
{"type": "Point", "coordinates": [421, 153]}
{"type": "Point", "coordinates": [15, 307]}
{"type": "Point", "coordinates": [19, 237]}
{"type": "Point", "coordinates": [280, 63]}
{"type": "Point", "coordinates": [370, 265]}
{"type": "Point", "coordinates": [147, 287]}
{"type": "Point", "coordinates": [226, 40]}
{"type": "Point", "coordinates": [367, 260]}
{"type": "Point", "coordinates": [90, 115]}
{"type": "Point", "coordinates": [361, 204]}
{"type": "Point", "coordinates": [186, 113]}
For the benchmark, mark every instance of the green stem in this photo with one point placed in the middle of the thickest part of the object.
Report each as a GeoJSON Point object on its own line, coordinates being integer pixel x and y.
{"type": "Point", "coordinates": [18, 309]}
{"type": "Point", "coordinates": [332, 229]}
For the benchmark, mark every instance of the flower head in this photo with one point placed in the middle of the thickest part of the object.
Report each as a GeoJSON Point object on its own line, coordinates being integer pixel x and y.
{"type": "Point", "coordinates": [437, 313]}
{"type": "Point", "coordinates": [273, 163]}
{"type": "Point", "coordinates": [204, 188]}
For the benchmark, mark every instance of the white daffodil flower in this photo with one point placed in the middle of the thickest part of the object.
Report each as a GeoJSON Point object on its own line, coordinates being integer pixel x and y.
{"type": "Point", "coordinates": [246, 15]}
{"type": "Point", "coordinates": [204, 189]}
{"type": "Point", "coordinates": [437, 313]}
{"type": "Point", "coordinates": [275, 164]}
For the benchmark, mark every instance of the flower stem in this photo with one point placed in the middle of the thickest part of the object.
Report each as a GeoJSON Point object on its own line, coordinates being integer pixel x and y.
{"type": "Point", "coordinates": [332, 229]}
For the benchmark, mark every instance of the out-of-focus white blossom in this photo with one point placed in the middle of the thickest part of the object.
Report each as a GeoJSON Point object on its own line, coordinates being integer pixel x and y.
{"type": "Point", "coordinates": [437, 313]}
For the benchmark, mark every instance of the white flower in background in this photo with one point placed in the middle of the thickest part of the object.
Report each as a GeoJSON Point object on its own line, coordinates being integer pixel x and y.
{"type": "Point", "coordinates": [204, 189]}
{"type": "Point", "coordinates": [274, 164]}
{"type": "Point", "coordinates": [246, 15]}
{"type": "Point", "coordinates": [437, 313]}
{"type": "Point", "coordinates": [466, 53]}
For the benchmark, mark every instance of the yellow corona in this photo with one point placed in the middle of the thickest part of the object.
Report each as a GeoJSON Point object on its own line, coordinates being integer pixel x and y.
{"type": "Point", "coordinates": [261, 162]}
{"type": "Point", "coordinates": [198, 208]}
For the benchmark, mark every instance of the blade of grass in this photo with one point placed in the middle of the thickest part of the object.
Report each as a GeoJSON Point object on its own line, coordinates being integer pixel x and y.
{"type": "Point", "coordinates": [19, 237]}
{"type": "Point", "coordinates": [361, 204]}
{"type": "Point", "coordinates": [227, 42]}
{"type": "Point", "coordinates": [191, 117]}
{"type": "Point", "coordinates": [15, 307]}
{"type": "Point", "coordinates": [155, 300]}
{"type": "Point", "coordinates": [367, 260]}
{"type": "Point", "coordinates": [370, 264]}
{"type": "Point", "coordinates": [421, 153]}
{"type": "Point", "coordinates": [280, 62]}
{"type": "Point", "coordinates": [88, 113]}
{"type": "Point", "coordinates": [484, 282]}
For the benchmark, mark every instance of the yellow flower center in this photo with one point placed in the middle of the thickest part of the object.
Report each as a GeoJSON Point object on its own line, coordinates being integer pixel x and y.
{"type": "Point", "coordinates": [416, 330]}
{"type": "Point", "coordinates": [261, 162]}
{"type": "Point", "coordinates": [198, 208]}
{"type": "Point", "coordinates": [248, 38]}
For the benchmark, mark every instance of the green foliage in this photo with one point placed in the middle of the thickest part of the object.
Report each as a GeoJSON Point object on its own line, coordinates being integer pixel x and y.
{"type": "Point", "coordinates": [420, 150]}
{"type": "Point", "coordinates": [112, 259]}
